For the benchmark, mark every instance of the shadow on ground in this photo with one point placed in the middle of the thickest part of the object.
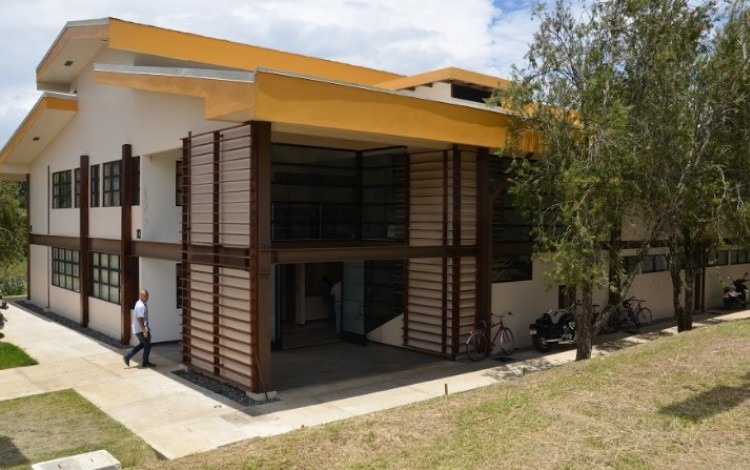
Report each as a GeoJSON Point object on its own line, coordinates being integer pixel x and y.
{"type": "Point", "coordinates": [710, 402]}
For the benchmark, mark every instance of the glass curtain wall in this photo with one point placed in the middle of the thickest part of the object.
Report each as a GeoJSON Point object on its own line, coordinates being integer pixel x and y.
{"type": "Point", "coordinates": [323, 194]}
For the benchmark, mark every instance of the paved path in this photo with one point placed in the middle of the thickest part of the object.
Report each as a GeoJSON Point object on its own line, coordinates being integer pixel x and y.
{"type": "Point", "coordinates": [177, 418]}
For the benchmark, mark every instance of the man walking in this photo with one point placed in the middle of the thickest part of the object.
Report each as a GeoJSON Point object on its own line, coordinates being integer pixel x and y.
{"type": "Point", "coordinates": [142, 331]}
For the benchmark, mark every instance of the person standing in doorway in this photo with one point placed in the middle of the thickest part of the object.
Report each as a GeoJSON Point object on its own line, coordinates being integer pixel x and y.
{"type": "Point", "coordinates": [336, 294]}
{"type": "Point", "coordinates": [142, 330]}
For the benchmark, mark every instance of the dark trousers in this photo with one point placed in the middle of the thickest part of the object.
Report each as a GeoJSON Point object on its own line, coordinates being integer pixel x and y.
{"type": "Point", "coordinates": [144, 342]}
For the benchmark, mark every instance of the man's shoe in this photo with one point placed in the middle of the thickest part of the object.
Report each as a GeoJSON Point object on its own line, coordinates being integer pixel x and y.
{"type": "Point", "coordinates": [148, 364]}
{"type": "Point", "coordinates": [126, 361]}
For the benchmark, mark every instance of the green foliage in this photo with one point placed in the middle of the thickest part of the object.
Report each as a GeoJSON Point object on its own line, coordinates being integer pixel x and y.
{"type": "Point", "coordinates": [13, 224]}
{"type": "Point", "coordinates": [13, 278]}
{"type": "Point", "coordinates": [638, 105]}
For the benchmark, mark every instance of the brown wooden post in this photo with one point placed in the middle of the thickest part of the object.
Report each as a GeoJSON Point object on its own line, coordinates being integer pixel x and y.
{"type": "Point", "coordinates": [444, 271]}
{"type": "Point", "coordinates": [484, 235]}
{"type": "Point", "coordinates": [126, 224]}
{"type": "Point", "coordinates": [28, 236]}
{"type": "Point", "coordinates": [456, 264]}
{"type": "Point", "coordinates": [261, 254]}
{"type": "Point", "coordinates": [215, 243]}
{"type": "Point", "coordinates": [185, 229]}
{"type": "Point", "coordinates": [83, 255]}
{"type": "Point", "coordinates": [407, 242]}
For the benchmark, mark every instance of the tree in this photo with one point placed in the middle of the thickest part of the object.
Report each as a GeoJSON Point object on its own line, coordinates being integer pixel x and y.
{"type": "Point", "coordinates": [13, 225]}
{"type": "Point", "coordinates": [607, 92]}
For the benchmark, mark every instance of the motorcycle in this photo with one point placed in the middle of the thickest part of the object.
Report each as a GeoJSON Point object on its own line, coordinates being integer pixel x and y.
{"type": "Point", "coordinates": [737, 294]}
{"type": "Point", "coordinates": [545, 330]}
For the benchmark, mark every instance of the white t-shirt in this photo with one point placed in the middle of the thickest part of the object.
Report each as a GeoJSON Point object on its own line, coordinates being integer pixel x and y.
{"type": "Point", "coordinates": [336, 292]}
{"type": "Point", "coordinates": [140, 311]}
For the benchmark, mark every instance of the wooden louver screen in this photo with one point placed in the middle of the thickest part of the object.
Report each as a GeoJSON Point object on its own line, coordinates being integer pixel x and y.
{"type": "Point", "coordinates": [219, 196]}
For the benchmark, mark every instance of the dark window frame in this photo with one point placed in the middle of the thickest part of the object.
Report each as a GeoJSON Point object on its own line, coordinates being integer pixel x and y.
{"type": "Point", "coordinates": [94, 202]}
{"type": "Point", "coordinates": [62, 189]}
{"type": "Point", "coordinates": [111, 190]}
{"type": "Point", "coordinates": [66, 269]}
{"type": "Point", "coordinates": [514, 268]}
{"type": "Point", "coordinates": [136, 173]}
{"type": "Point", "coordinates": [105, 277]}
{"type": "Point", "coordinates": [77, 188]}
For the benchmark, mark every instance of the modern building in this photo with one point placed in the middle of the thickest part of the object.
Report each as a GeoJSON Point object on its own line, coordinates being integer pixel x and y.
{"type": "Point", "coordinates": [238, 183]}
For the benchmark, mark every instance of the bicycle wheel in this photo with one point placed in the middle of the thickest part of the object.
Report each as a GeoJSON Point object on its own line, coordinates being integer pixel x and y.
{"type": "Point", "coordinates": [476, 345]}
{"type": "Point", "coordinates": [507, 345]}
{"type": "Point", "coordinates": [644, 317]}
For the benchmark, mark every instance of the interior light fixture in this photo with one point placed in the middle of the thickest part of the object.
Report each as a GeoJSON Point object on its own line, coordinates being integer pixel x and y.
{"type": "Point", "coordinates": [35, 139]}
{"type": "Point", "coordinates": [68, 63]}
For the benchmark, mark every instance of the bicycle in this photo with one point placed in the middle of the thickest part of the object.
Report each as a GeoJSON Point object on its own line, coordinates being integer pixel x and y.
{"type": "Point", "coordinates": [626, 315]}
{"type": "Point", "coordinates": [479, 344]}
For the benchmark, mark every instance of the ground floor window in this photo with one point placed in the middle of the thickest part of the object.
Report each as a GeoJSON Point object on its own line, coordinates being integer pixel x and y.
{"type": "Point", "coordinates": [66, 269]}
{"type": "Point", "coordinates": [510, 268]}
{"type": "Point", "coordinates": [105, 272]}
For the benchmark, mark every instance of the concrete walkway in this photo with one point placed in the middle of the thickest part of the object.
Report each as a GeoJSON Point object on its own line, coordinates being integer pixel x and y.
{"type": "Point", "coordinates": [177, 418]}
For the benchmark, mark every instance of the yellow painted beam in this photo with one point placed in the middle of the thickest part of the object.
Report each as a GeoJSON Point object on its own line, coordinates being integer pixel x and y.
{"type": "Point", "coordinates": [161, 42]}
{"type": "Point", "coordinates": [223, 99]}
{"type": "Point", "coordinates": [296, 100]}
{"type": "Point", "coordinates": [448, 74]}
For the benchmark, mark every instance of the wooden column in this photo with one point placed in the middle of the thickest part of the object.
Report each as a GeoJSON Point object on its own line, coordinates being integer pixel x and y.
{"type": "Point", "coordinates": [484, 235]}
{"type": "Point", "coordinates": [215, 244]}
{"type": "Point", "coordinates": [185, 230]}
{"type": "Point", "coordinates": [83, 255]}
{"type": "Point", "coordinates": [28, 236]}
{"type": "Point", "coordinates": [261, 254]}
{"type": "Point", "coordinates": [456, 264]}
{"type": "Point", "coordinates": [444, 270]}
{"type": "Point", "coordinates": [126, 266]}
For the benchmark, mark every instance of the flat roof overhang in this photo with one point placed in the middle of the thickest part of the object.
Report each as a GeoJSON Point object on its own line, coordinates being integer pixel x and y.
{"type": "Point", "coordinates": [296, 100]}
{"type": "Point", "coordinates": [51, 113]}
{"type": "Point", "coordinates": [80, 41]}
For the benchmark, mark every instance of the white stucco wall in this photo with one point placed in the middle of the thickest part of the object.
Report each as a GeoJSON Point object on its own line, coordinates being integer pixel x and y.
{"type": "Point", "coordinates": [159, 278]}
{"type": "Point", "coordinates": [104, 317]}
{"type": "Point", "coordinates": [39, 259]}
{"type": "Point", "coordinates": [66, 303]}
{"type": "Point", "coordinates": [161, 215]}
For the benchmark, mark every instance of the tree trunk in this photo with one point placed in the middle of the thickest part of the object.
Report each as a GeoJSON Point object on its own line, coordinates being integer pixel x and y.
{"type": "Point", "coordinates": [584, 328]}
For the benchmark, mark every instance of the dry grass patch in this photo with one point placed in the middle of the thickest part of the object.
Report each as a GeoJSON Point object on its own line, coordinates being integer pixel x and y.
{"type": "Point", "coordinates": [60, 424]}
{"type": "Point", "coordinates": [681, 402]}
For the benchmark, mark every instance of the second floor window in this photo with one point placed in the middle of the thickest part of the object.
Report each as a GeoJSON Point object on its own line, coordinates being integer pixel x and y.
{"type": "Point", "coordinates": [62, 196]}
{"type": "Point", "coordinates": [94, 202]}
{"type": "Point", "coordinates": [111, 184]}
{"type": "Point", "coordinates": [77, 188]}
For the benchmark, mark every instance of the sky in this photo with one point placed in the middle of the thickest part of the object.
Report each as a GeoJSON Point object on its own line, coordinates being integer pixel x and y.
{"type": "Point", "coordinates": [402, 36]}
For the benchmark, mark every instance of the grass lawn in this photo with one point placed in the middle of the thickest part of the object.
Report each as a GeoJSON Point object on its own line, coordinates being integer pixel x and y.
{"type": "Point", "coordinates": [677, 403]}
{"type": "Point", "coordinates": [13, 356]}
{"type": "Point", "coordinates": [680, 402]}
{"type": "Point", "coordinates": [59, 424]}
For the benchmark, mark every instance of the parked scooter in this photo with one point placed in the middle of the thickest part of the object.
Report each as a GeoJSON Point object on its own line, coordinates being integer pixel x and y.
{"type": "Point", "coordinates": [737, 294]}
{"type": "Point", "coordinates": [545, 330]}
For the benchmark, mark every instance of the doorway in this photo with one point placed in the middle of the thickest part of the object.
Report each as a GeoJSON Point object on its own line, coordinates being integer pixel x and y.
{"type": "Point", "coordinates": [304, 314]}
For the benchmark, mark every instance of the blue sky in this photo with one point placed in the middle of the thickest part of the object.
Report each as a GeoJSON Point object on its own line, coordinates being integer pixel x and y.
{"type": "Point", "coordinates": [403, 36]}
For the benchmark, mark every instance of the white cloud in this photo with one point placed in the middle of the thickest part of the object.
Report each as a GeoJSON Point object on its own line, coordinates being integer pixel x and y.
{"type": "Point", "coordinates": [403, 36]}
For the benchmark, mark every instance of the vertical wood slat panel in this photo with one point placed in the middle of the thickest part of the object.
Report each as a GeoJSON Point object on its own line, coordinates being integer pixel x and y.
{"type": "Point", "coordinates": [217, 195]}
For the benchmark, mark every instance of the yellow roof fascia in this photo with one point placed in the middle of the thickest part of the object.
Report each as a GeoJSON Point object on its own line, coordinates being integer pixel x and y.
{"type": "Point", "coordinates": [224, 100]}
{"type": "Point", "coordinates": [448, 74]}
{"type": "Point", "coordinates": [300, 100]}
{"type": "Point", "coordinates": [162, 42]}
{"type": "Point", "coordinates": [45, 103]}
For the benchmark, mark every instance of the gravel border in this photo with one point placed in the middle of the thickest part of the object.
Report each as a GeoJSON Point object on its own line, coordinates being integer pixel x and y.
{"type": "Point", "coordinates": [231, 392]}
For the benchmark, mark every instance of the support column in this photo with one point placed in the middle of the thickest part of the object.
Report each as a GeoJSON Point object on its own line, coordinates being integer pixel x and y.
{"type": "Point", "coordinates": [185, 230]}
{"type": "Point", "coordinates": [83, 255]}
{"type": "Point", "coordinates": [484, 235]}
{"type": "Point", "coordinates": [126, 248]}
{"type": "Point", "coordinates": [456, 264]}
{"type": "Point", "coordinates": [261, 256]}
{"type": "Point", "coordinates": [28, 236]}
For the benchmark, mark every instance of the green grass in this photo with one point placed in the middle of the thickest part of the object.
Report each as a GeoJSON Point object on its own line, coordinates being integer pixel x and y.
{"type": "Point", "coordinates": [13, 356]}
{"type": "Point", "coordinates": [60, 424]}
{"type": "Point", "coordinates": [678, 402]}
